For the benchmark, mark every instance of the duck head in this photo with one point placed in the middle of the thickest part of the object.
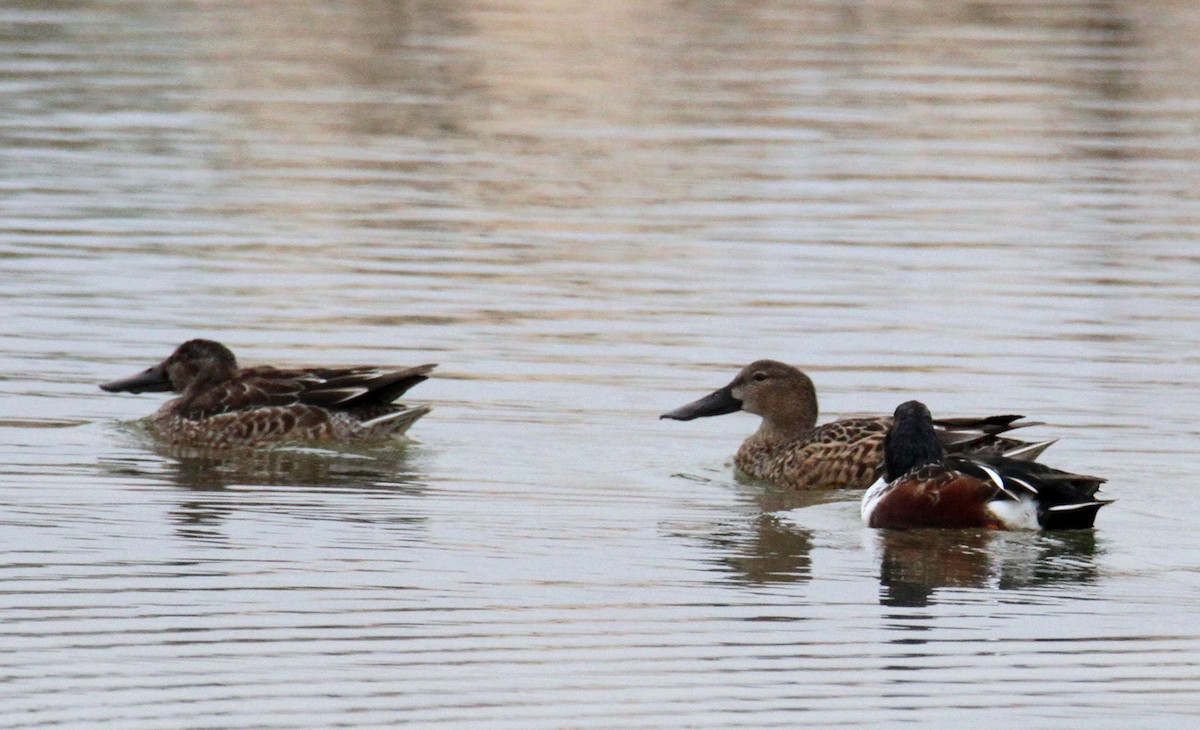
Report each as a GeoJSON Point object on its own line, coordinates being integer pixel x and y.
{"type": "Point", "coordinates": [783, 395]}
{"type": "Point", "coordinates": [193, 360]}
{"type": "Point", "coordinates": [911, 440]}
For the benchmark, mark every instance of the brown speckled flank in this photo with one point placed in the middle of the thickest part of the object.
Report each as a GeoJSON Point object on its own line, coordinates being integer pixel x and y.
{"type": "Point", "coordinates": [842, 454]}
{"type": "Point", "coordinates": [789, 449]}
{"type": "Point", "coordinates": [223, 405]}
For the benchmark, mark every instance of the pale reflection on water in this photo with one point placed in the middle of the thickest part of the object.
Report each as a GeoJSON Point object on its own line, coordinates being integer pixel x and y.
{"type": "Point", "coordinates": [589, 213]}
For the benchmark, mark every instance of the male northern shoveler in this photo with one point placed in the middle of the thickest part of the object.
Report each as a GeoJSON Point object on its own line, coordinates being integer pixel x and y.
{"type": "Point", "coordinates": [790, 449]}
{"type": "Point", "coordinates": [223, 405]}
{"type": "Point", "coordinates": [923, 487]}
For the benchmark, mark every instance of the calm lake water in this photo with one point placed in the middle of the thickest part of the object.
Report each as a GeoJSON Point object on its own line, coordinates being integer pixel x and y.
{"type": "Point", "coordinates": [590, 213]}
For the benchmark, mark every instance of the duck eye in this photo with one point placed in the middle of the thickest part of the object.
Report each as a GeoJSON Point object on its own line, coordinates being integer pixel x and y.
{"type": "Point", "coordinates": [759, 377]}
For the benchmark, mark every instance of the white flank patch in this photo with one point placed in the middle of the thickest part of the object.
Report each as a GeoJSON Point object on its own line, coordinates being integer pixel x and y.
{"type": "Point", "coordinates": [1018, 515]}
{"type": "Point", "coordinates": [871, 498]}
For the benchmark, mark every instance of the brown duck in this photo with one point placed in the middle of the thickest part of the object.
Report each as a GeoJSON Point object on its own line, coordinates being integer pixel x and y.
{"type": "Point", "coordinates": [221, 404]}
{"type": "Point", "coordinates": [790, 449]}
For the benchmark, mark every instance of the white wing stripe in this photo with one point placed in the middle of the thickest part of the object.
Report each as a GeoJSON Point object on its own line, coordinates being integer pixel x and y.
{"type": "Point", "coordinates": [1032, 489]}
{"type": "Point", "coordinates": [997, 479]}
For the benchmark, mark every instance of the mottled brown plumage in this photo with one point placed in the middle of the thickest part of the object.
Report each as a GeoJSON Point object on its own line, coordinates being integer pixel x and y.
{"type": "Point", "coordinates": [841, 454]}
{"type": "Point", "coordinates": [223, 405]}
{"type": "Point", "coordinates": [790, 449]}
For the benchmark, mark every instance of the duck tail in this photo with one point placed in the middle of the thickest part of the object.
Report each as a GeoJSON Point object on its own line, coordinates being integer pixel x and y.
{"type": "Point", "coordinates": [394, 422]}
{"type": "Point", "coordinates": [1078, 516]}
{"type": "Point", "coordinates": [1027, 451]}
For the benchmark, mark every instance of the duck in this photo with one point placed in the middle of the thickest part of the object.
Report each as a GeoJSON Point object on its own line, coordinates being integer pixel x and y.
{"type": "Point", "coordinates": [922, 486]}
{"type": "Point", "coordinates": [789, 449]}
{"type": "Point", "coordinates": [221, 404]}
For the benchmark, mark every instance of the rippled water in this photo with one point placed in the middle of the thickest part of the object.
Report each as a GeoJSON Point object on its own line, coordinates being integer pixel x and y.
{"type": "Point", "coordinates": [590, 213]}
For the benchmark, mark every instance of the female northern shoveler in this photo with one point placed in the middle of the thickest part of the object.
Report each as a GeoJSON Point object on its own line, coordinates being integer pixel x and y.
{"type": "Point", "coordinates": [922, 487]}
{"type": "Point", "coordinates": [789, 448]}
{"type": "Point", "coordinates": [222, 405]}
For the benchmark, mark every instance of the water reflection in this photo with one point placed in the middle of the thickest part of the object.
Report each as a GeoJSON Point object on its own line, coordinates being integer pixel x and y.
{"type": "Point", "coordinates": [765, 550]}
{"type": "Point", "coordinates": [760, 547]}
{"type": "Point", "coordinates": [915, 564]}
{"type": "Point", "coordinates": [216, 483]}
{"type": "Point", "coordinates": [775, 498]}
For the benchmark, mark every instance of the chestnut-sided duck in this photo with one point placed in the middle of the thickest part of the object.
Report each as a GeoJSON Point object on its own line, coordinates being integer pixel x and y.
{"type": "Point", "coordinates": [922, 486]}
{"type": "Point", "coordinates": [790, 449]}
{"type": "Point", "coordinates": [221, 404]}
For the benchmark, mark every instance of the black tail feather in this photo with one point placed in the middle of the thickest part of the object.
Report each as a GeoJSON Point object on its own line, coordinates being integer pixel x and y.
{"type": "Point", "coordinates": [1081, 516]}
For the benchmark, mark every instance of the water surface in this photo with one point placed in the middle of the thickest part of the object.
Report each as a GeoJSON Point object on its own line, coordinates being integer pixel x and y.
{"type": "Point", "coordinates": [589, 214]}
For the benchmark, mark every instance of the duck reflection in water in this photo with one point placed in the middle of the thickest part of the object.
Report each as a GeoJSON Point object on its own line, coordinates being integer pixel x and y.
{"type": "Point", "coordinates": [764, 551]}
{"type": "Point", "coordinates": [759, 547]}
{"type": "Point", "coordinates": [915, 565]}
{"type": "Point", "coordinates": [215, 483]}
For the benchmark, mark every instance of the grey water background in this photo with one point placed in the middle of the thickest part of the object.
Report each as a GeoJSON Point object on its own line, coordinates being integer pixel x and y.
{"type": "Point", "coordinates": [589, 213]}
